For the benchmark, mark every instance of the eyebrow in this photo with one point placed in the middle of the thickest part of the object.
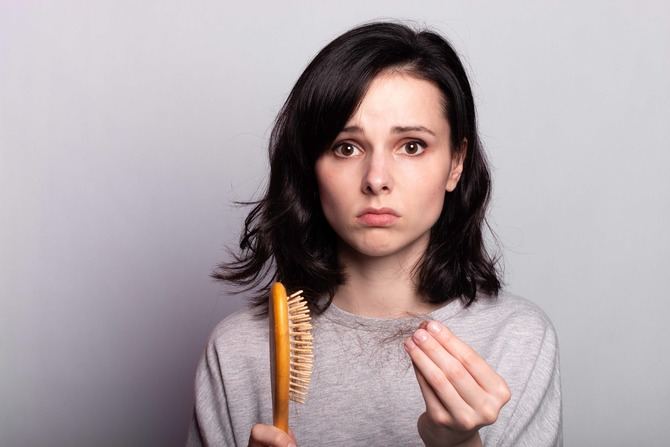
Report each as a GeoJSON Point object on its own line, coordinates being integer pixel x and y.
{"type": "Point", "coordinates": [394, 129]}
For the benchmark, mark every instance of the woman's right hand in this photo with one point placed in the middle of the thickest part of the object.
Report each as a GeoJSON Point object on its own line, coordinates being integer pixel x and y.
{"type": "Point", "coordinates": [263, 435]}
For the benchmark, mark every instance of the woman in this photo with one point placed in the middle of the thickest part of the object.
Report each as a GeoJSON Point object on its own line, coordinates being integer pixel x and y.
{"type": "Point", "coordinates": [377, 197]}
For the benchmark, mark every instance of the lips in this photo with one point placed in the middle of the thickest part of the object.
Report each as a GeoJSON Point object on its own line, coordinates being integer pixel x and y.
{"type": "Point", "coordinates": [390, 211]}
{"type": "Point", "coordinates": [378, 217]}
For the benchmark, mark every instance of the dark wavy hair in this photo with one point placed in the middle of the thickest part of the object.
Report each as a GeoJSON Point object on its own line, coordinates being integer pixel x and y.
{"type": "Point", "coordinates": [286, 236]}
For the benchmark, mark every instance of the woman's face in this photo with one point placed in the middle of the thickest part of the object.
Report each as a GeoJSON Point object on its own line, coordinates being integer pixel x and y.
{"type": "Point", "coordinates": [382, 182]}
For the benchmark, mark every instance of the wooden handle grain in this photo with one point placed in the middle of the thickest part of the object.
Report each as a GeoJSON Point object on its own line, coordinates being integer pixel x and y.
{"type": "Point", "coordinates": [279, 355]}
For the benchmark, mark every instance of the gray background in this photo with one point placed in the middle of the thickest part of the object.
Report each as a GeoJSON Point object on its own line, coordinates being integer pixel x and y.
{"type": "Point", "coordinates": [128, 128]}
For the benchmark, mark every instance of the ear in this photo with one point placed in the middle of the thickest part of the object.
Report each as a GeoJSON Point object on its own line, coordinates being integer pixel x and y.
{"type": "Point", "coordinates": [457, 160]}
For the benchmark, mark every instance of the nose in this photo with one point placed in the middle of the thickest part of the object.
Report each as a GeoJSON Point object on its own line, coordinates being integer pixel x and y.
{"type": "Point", "coordinates": [377, 177]}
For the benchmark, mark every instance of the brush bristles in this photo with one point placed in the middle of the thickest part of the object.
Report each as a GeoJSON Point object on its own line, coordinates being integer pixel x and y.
{"type": "Point", "coordinates": [300, 327]}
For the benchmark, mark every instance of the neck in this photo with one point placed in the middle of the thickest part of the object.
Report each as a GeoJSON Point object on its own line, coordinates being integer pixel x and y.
{"type": "Point", "coordinates": [381, 286]}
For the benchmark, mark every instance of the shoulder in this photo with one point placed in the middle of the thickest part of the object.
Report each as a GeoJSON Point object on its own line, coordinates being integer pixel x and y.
{"type": "Point", "coordinates": [240, 335]}
{"type": "Point", "coordinates": [512, 311]}
{"type": "Point", "coordinates": [515, 321]}
{"type": "Point", "coordinates": [239, 322]}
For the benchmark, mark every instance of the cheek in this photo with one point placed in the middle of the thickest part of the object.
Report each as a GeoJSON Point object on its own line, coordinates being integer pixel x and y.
{"type": "Point", "coordinates": [328, 203]}
{"type": "Point", "coordinates": [433, 203]}
{"type": "Point", "coordinates": [330, 193]}
{"type": "Point", "coordinates": [429, 198]}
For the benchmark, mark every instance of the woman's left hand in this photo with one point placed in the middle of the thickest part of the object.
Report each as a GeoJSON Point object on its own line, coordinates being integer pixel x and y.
{"type": "Point", "coordinates": [462, 392]}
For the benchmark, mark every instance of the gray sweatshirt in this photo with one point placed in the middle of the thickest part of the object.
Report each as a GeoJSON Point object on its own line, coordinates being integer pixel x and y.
{"type": "Point", "coordinates": [363, 389]}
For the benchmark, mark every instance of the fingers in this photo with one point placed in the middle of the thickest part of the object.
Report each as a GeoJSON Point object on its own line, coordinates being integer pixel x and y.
{"type": "Point", "coordinates": [450, 375]}
{"type": "Point", "coordinates": [479, 370]}
{"type": "Point", "coordinates": [263, 435]}
{"type": "Point", "coordinates": [438, 366]}
{"type": "Point", "coordinates": [434, 406]}
{"type": "Point", "coordinates": [439, 392]}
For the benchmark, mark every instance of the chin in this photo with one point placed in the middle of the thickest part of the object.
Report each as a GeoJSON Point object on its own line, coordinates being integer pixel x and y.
{"type": "Point", "coordinates": [380, 244]}
{"type": "Point", "coordinates": [377, 252]}
{"type": "Point", "coordinates": [375, 249]}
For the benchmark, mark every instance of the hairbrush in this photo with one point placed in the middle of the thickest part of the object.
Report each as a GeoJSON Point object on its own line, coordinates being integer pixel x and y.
{"type": "Point", "coordinates": [291, 353]}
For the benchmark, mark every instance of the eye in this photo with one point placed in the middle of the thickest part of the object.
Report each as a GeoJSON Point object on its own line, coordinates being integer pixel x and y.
{"type": "Point", "coordinates": [346, 150]}
{"type": "Point", "coordinates": [414, 147]}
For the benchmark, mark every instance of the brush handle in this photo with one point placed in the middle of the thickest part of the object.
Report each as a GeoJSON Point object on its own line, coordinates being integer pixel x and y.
{"type": "Point", "coordinates": [279, 355]}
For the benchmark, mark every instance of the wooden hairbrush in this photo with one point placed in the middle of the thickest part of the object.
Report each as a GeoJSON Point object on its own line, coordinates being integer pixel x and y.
{"type": "Point", "coordinates": [291, 353]}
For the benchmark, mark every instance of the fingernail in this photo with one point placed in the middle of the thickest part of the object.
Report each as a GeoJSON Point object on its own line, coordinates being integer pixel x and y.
{"type": "Point", "coordinates": [409, 345]}
{"type": "Point", "coordinates": [434, 327]}
{"type": "Point", "coordinates": [420, 335]}
{"type": "Point", "coordinates": [292, 445]}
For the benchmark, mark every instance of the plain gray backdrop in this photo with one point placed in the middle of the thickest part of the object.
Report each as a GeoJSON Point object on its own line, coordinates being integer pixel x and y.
{"type": "Point", "coordinates": [128, 128]}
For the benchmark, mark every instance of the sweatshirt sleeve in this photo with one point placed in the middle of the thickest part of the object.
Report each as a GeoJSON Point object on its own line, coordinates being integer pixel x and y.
{"type": "Point", "coordinates": [537, 419]}
{"type": "Point", "coordinates": [210, 424]}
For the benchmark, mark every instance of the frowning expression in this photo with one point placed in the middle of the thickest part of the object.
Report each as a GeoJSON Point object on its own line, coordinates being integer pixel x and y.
{"type": "Point", "coordinates": [382, 182]}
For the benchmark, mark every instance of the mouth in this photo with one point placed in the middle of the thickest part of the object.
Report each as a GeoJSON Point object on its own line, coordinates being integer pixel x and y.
{"type": "Point", "coordinates": [371, 210]}
{"type": "Point", "coordinates": [378, 217]}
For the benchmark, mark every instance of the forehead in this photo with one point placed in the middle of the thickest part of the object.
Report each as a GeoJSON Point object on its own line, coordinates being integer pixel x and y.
{"type": "Point", "coordinates": [402, 99]}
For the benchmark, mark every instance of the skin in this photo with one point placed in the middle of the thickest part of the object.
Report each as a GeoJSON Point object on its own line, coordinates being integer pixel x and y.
{"type": "Point", "coordinates": [462, 392]}
{"type": "Point", "coordinates": [376, 167]}
{"type": "Point", "coordinates": [263, 435]}
{"type": "Point", "coordinates": [409, 172]}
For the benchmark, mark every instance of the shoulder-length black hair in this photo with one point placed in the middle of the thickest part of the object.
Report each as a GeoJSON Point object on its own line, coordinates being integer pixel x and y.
{"type": "Point", "coordinates": [286, 236]}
